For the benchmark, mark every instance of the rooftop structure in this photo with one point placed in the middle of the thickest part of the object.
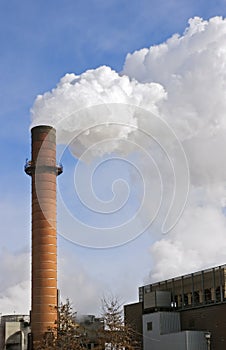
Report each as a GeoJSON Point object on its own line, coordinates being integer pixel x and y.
{"type": "Point", "coordinates": [192, 290]}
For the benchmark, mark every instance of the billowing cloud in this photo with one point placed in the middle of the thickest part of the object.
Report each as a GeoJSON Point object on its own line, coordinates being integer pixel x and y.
{"type": "Point", "coordinates": [182, 82]}
{"type": "Point", "coordinates": [191, 68]}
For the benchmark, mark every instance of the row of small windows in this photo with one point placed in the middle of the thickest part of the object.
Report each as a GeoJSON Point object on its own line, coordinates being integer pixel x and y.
{"type": "Point", "coordinates": [208, 296]}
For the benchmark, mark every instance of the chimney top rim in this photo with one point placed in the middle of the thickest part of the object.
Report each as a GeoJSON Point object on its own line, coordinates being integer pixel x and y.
{"type": "Point", "coordinates": [42, 126]}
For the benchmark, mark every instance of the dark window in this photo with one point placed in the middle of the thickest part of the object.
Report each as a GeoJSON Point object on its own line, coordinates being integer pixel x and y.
{"type": "Point", "coordinates": [207, 295]}
{"type": "Point", "coordinates": [196, 298]}
{"type": "Point", "coordinates": [185, 299]}
{"type": "Point", "coordinates": [149, 326]}
{"type": "Point", "coordinates": [218, 294]}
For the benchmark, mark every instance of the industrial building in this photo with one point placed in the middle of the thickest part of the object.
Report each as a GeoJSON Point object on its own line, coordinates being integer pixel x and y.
{"type": "Point", "coordinates": [89, 329]}
{"type": "Point", "coordinates": [14, 330]}
{"type": "Point", "coordinates": [188, 310]}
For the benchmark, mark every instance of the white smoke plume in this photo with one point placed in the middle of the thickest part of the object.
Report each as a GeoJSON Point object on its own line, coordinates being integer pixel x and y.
{"type": "Point", "coordinates": [69, 107]}
{"type": "Point", "coordinates": [182, 81]}
{"type": "Point", "coordinates": [191, 68]}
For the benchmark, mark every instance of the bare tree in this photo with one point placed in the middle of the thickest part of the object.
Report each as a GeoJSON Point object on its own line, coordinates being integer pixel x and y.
{"type": "Point", "coordinates": [116, 335]}
{"type": "Point", "coordinates": [65, 335]}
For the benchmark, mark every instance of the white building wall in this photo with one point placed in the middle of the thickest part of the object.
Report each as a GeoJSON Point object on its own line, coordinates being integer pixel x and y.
{"type": "Point", "coordinates": [161, 331]}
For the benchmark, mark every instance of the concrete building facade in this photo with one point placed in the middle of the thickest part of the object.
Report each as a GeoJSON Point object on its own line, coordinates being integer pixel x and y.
{"type": "Point", "coordinates": [14, 330]}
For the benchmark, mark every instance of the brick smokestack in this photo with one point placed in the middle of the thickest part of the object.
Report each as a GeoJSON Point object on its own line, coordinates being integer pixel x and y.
{"type": "Point", "coordinates": [43, 170]}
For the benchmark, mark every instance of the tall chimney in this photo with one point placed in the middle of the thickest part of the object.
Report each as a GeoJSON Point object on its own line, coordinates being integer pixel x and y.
{"type": "Point", "coordinates": [43, 171]}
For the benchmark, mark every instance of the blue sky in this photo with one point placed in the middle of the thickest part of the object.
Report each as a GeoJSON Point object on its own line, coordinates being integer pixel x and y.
{"type": "Point", "coordinates": [40, 42]}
